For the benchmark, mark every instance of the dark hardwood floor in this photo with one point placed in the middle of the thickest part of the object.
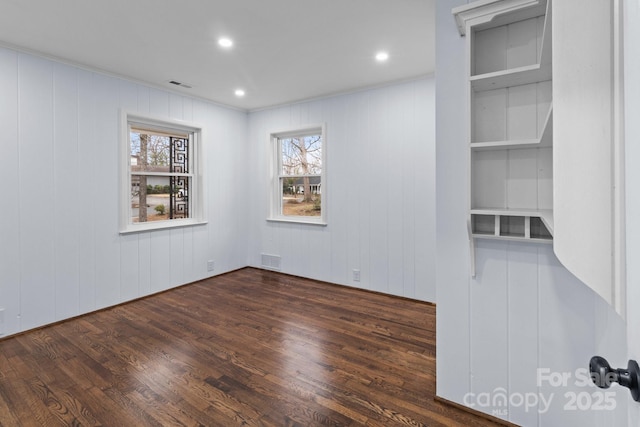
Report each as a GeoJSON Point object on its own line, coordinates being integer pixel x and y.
{"type": "Point", "coordinates": [250, 347]}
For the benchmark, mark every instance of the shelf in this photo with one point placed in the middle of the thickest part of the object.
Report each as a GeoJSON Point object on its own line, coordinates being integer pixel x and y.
{"type": "Point", "coordinates": [545, 139]}
{"type": "Point", "coordinates": [500, 145]}
{"type": "Point", "coordinates": [513, 77]}
{"type": "Point", "coordinates": [511, 212]}
{"type": "Point", "coordinates": [513, 239]}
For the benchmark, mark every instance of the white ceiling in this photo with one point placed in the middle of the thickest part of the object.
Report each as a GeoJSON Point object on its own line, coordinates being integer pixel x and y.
{"type": "Point", "coordinates": [284, 51]}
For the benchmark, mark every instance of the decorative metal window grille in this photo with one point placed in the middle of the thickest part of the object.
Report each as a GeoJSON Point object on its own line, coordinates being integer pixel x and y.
{"type": "Point", "coordinates": [179, 185]}
{"type": "Point", "coordinates": [161, 171]}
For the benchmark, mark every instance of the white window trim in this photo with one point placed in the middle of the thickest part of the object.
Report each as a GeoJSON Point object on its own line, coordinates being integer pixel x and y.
{"type": "Point", "coordinates": [198, 202]}
{"type": "Point", "coordinates": [275, 189]}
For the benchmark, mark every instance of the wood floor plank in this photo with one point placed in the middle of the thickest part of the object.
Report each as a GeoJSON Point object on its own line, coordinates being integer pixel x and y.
{"type": "Point", "coordinates": [251, 347]}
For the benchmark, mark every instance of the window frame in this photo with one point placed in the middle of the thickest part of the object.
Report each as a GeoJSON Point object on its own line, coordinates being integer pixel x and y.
{"type": "Point", "coordinates": [275, 188]}
{"type": "Point", "coordinates": [196, 192]}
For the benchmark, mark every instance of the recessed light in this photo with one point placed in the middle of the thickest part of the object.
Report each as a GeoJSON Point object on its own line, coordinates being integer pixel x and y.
{"type": "Point", "coordinates": [239, 92]}
{"type": "Point", "coordinates": [382, 56]}
{"type": "Point", "coordinates": [225, 42]}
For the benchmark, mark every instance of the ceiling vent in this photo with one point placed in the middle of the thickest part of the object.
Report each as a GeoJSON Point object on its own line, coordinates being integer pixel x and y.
{"type": "Point", "coordinates": [173, 82]}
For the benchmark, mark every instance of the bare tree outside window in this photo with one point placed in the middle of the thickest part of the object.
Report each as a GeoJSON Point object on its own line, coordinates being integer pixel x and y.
{"type": "Point", "coordinates": [148, 152]}
{"type": "Point", "coordinates": [301, 175]}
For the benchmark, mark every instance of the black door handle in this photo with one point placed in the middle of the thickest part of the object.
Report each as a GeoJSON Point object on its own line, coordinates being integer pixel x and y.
{"type": "Point", "coordinates": [603, 375]}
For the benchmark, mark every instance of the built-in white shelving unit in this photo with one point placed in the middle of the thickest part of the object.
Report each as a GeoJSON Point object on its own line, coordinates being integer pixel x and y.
{"type": "Point", "coordinates": [531, 180]}
{"type": "Point", "coordinates": [511, 118]}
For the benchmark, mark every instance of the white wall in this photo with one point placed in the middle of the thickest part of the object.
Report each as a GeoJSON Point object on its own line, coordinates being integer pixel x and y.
{"type": "Point", "coordinates": [632, 137]}
{"type": "Point", "coordinates": [380, 188]}
{"type": "Point", "coordinates": [61, 254]}
{"type": "Point", "coordinates": [523, 311]}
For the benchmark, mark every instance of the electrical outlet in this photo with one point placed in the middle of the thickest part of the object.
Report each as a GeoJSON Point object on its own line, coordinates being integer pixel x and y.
{"type": "Point", "coordinates": [210, 265]}
{"type": "Point", "coordinates": [356, 275]}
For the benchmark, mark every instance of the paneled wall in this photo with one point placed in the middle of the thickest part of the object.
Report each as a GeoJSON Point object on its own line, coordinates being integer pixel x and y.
{"type": "Point", "coordinates": [60, 253]}
{"type": "Point", "coordinates": [524, 313]}
{"type": "Point", "coordinates": [380, 189]}
{"type": "Point", "coordinates": [631, 18]}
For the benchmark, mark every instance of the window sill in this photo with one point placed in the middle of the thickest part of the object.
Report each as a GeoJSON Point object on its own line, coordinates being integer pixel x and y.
{"type": "Point", "coordinates": [298, 220]}
{"type": "Point", "coordinates": [160, 225]}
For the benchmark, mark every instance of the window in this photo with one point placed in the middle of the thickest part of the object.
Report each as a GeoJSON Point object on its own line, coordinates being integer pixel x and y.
{"type": "Point", "coordinates": [162, 185]}
{"type": "Point", "coordinates": [299, 190]}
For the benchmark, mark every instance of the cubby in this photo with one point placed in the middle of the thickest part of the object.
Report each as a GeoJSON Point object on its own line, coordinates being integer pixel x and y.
{"type": "Point", "coordinates": [503, 224]}
{"type": "Point", "coordinates": [510, 118]}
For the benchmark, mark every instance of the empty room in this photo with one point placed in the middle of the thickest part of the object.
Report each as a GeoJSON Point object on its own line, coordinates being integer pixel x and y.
{"type": "Point", "coordinates": [309, 213]}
